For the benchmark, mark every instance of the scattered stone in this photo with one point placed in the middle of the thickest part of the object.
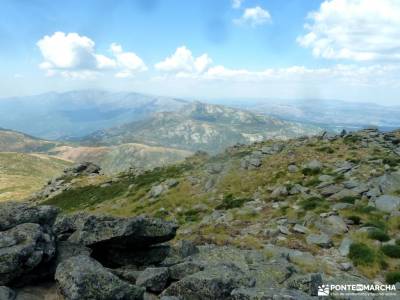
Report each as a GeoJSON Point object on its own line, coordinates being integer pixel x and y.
{"type": "Point", "coordinates": [330, 190]}
{"type": "Point", "coordinates": [82, 277]}
{"type": "Point", "coordinates": [279, 192]}
{"type": "Point", "coordinates": [179, 271]}
{"type": "Point", "coordinates": [84, 168]}
{"type": "Point", "coordinates": [313, 165]}
{"type": "Point", "coordinates": [337, 224]}
{"type": "Point", "coordinates": [387, 203]}
{"type": "Point", "coordinates": [105, 231]}
{"type": "Point", "coordinates": [216, 282]}
{"type": "Point", "coordinates": [157, 190]}
{"type": "Point", "coordinates": [22, 249]}
{"type": "Point", "coordinates": [153, 279]}
{"type": "Point", "coordinates": [321, 240]}
{"type": "Point", "coordinates": [16, 213]}
{"type": "Point", "coordinates": [284, 230]}
{"type": "Point", "coordinates": [186, 248]}
{"type": "Point", "coordinates": [300, 229]}
{"type": "Point", "coordinates": [6, 293]}
{"type": "Point", "coordinates": [325, 178]}
{"type": "Point", "coordinates": [345, 266]}
{"type": "Point", "coordinates": [293, 168]}
{"type": "Point", "coordinates": [344, 248]}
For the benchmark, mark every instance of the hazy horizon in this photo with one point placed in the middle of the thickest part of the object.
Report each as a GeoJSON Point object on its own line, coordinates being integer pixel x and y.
{"type": "Point", "coordinates": [331, 49]}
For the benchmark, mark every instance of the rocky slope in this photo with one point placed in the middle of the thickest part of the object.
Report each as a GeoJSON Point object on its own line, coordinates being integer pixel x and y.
{"type": "Point", "coordinates": [312, 209]}
{"type": "Point", "coordinates": [200, 126]}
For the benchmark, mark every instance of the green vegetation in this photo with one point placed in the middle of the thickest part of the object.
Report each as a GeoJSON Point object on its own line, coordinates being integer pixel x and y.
{"type": "Point", "coordinates": [361, 254]}
{"type": "Point", "coordinates": [356, 219]}
{"type": "Point", "coordinates": [229, 202]}
{"type": "Point", "coordinates": [326, 149]}
{"type": "Point", "coordinates": [309, 171]}
{"type": "Point", "coordinates": [87, 196]}
{"type": "Point", "coordinates": [379, 235]}
{"type": "Point", "coordinates": [391, 250]}
{"type": "Point", "coordinates": [375, 223]}
{"type": "Point", "coordinates": [349, 199]}
{"type": "Point", "coordinates": [352, 139]}
{"type": "Point", "coordinates": [312, 203]}
{"type": "Point", "coordinates": [392, 277]}
{"type": "Point", "coordinates": [391, 161]}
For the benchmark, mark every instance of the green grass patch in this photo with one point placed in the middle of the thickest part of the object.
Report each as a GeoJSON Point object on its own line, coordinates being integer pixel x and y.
{"type": "Point", "coordinates": [312, 203]}
{"type": "Point", "coordinates": [229, 202]}
{"type": "Point", "coordinates": [87, 196]}
{"type": "Point", "coordinates": [310, 172]}
{"type": "Point", "coordinates": [376, 223]}
{"type": "Point", "coordinates": [355, 219]}
{"type": "Point", "coordinates": [391, 161]}
{"type": "Point", "coordinates": [391, 250]}
{"type": "Point", "coordinates": [362, 255]}
{"type": "Point", "coordinates": [312, 182]}
{"type": "Point", "coordinates": [379, 235]}
{"type": "Point", "coordinates": [348, 199]}
{"type": "Point", "coordinates": [326, 149]}
{"type": "Point", "coordinates": [352, 139]}
{"type": "Point", "coordinates": [392, 277]}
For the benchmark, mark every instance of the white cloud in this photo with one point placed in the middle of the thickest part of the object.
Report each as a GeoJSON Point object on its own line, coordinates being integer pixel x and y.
{"type": "Point", "coordinates": [254, 16]}
{"type": "Point", "coordinates": [237, 3]}
{"type": "Point", "coordinates": [359, 30]}
{"type": "Point", "coordinates": [74, 56]}
{"type": "Point", "coordinates": [182, 62]}
{"type": "Point", "coordinates": [128, 62]}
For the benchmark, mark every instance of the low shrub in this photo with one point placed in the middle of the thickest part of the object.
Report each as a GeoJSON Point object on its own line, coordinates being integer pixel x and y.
{"type": "Point", "coordinates": [376, 223]}
{"type": "Point", "coordinates": [349, 199]}
{"type": "Point", "coordinates": [379, 235]}
{"type": "Point", "coordinates": [230, 202]}
{"type": "Point", "coordinates": [311, 203]}
{"type": "Point", "coordinates": [309, 171]}
{"type": "Point", "coordinates": [392, 277]}
{"type": "Point", "coordinates": [355, 219]}
{"type": "Point", "coordinates": [391, 250]}
{"type": "Point", "coordinates": [361, 254]}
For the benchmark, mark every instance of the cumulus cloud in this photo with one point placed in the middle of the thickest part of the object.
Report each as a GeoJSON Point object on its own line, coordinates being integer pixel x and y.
{"type": "Point", "coordinates": [358, 30]}
{"type": "Point", "coordinates": [183, 62]}
{"type": "Point", "coordinates": [254, 16]}
{"type": "Point", "coordinates": [183, 65]}
{"type": "Point", "coordinates": [237, 3]}
{"type": "Point", "coordinates": [74, 56]}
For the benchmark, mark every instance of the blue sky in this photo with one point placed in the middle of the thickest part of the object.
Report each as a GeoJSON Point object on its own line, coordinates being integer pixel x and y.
{"type": "Point", "coordinates": [203, 48]}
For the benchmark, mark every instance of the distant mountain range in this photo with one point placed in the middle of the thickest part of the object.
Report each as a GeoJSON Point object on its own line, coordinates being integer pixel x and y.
{"type": "Point", "coordinates": [124, 130]}
{"type": "Point", "coordinates": [77, 113]}
{"type": "Point", "coordinates": [332, 115]}
{"type": "Point", "coordinates": [200, 126]}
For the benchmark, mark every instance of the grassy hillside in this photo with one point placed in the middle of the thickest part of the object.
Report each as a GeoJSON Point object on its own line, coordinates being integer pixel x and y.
{"type": "Point", "coordinates": [254, 195]}
{"type": "Point", "coordinates": [114, 159]}
{"type": "Point", "coordinates": [13, 141]}
{"type": "Point", "coordinates": [22, 174]}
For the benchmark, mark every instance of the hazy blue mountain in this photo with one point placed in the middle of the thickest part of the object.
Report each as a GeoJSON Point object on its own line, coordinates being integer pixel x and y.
{"type": "Point", "coordinates": [199, 126]}
{"type": "Point", "coordinates": [329, 114]}
{"type": "Point", "coordinates": [77, 113]}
